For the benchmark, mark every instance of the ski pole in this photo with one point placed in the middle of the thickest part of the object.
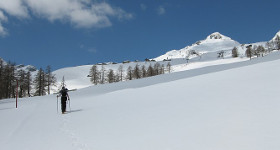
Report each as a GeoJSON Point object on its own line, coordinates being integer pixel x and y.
{"type": "Point", "coordinates": [57, 104]}
{"type": "Point", "coordinates": [69, 105]}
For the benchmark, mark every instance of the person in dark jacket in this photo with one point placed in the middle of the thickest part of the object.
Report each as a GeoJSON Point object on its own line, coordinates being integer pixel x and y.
{"type": "Point", "coordinates": [64, 95]}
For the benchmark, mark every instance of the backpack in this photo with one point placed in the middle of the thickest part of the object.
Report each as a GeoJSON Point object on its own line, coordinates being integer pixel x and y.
{"type": "Point", "coordinates": [64, 92]}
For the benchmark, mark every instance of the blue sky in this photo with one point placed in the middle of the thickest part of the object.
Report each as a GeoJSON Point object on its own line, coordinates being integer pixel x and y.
{"type": "Point", "coordinates": [79, 32]}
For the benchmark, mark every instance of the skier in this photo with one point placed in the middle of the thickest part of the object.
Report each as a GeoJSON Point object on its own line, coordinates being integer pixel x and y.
{"type": "Point", "coordinates": [64, 95]}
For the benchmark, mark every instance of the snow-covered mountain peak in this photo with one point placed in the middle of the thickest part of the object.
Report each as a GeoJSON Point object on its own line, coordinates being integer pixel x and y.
{"type": "Point", "coordinates": [213, 43]}
{"type": "Point", "coordinates": [27, 68]}
{"type": "Point", "coordinates": [3, 61]}
{"type": "Point", "coordinates": [276, 35]}
{"type": "Point", "coordinates": [217, 35]}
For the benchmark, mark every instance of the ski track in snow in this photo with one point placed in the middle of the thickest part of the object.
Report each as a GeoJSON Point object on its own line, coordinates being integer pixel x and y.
{"type": "Point", "coordinates": [77, 142]}
{"type": "Point", "coordinates": [22, 123]}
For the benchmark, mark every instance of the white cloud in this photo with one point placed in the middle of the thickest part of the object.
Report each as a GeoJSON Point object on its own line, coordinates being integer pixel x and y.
{"type": "Point", "coordinates": [80, 13]}
{"type": "Point", "coordinates": [3, 31]}
{"type": "Point", "coordinates": [3, 18]}
{"type": "Point", "coordinates": [161, 10]}
{"type": "Point", "coordinates": [14, 8]}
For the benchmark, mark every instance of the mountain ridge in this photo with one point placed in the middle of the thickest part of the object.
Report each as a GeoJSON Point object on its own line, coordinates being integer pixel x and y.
{"type": "Point", "coordinates": [276, 35]}
{"type": "Point", "coordinates": [212, 43]}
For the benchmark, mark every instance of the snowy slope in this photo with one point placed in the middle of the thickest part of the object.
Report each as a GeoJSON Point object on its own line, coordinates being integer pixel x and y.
{"type": "Point", "coordinates": [77, 77]}
{"type": "Point", "coordinates": [223, 107]}
{"type": "Point", "coordinates": [277, 34]}
{"type": "Point", "coordinates": [213, 43]}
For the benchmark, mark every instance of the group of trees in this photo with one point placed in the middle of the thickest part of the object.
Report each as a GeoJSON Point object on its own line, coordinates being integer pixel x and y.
{"type": "Point", "coordinates": [101, 76]}
{"type": "Point", "coordinates": [7, 75]}
{"type": "Point", "coordinates": [10, 76]}
{"type": "Point", "coordinates": [43, 82]}
{"type": "Point", "coordinates": [259, 50]}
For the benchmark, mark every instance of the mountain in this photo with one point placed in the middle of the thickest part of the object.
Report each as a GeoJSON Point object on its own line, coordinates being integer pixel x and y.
{"type": "Point", "coordinates": [221, 107]}
{"type": "Point", "coordinates": [277, 35]}
{"type": "Point", "coordinates": [3, 61]}
{"type": "Point", "coordinates": [217, 36]}
{"type": "Point", "coordinates": [213, 43]}
{"type": "Point", "coordinates": [27, 68]}
{"type": "Point", "coordinates": [201, 54]}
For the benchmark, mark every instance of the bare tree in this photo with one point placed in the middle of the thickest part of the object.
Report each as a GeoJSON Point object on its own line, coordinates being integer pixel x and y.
{"type": "Point", "coordinates": [94, 75]}
{"type": "Point", "coordinates": [249, 51]}
{"type": "Point", "coordinates": [111, 76]}
{"type": "Point", "coordinates": [129, 74]}
{"type": "Point", "coordinates": [136, 72]}
{"type": "Point", "coordinates": [143, 71]}
{"type": "Point", "coordinates": [157, 68]}
{"type": "Point", "coordinates": [22, 89]}
{"type": "Point", "coordinates": [120, 73]}
{"type": "Point", "coordinates": [150, 71]}
{"type": "Point", "coordinates": [234, 52]}
{"type": "Point", "coordinates": [260, 51]}
{"type": "Point", "coordinates": [168, 67]}
{"type": "Point", "coordinates": [40, 83]}
{"type": "Point", "coordinates": [102, 75]}
{"type": "Point", "coordinates": [28, 83]}
{"type": "Point", "coordinates": [161, 69]}
{"type": "Point", "coordinates": [8, 77]}
{"type": "Point", "coordinates": [50, 78]}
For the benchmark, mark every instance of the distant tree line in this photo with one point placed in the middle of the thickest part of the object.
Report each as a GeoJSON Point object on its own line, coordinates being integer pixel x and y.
{"type": "Point", "coordinates": [259, 50]}
{"type": "Point", "coordinates": [9, 75]}
{"type": "Point", "coordinates": [101, 76]}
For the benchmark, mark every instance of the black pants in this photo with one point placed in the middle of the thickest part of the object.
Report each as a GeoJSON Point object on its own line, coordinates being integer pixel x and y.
{"type": "Point", "coordinates": [63, 103]}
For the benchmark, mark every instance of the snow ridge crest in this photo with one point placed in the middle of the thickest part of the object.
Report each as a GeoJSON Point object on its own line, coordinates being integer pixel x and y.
{"type": "Point", "coordinates": [217, 35]}
{"type": "Point", "coordinates": [277, 34]}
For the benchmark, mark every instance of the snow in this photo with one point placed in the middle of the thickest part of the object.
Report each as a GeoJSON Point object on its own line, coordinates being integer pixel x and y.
{"type": "Point", "coordinates": [220, 107]}
{"type": "Point", "coordinates": [277, 34]}
{"type": "Point", "coordinates": [213, 43]}
{"type": "Point", "coordinates": [77, 77]}
{"type": "Point", "coordinates": [217, 35]}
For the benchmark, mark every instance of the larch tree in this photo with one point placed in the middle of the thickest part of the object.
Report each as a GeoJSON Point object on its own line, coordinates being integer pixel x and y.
{"type": "Point", "coordinates": [50, 79]}
{"type": "Point", "coordinates": [94, 75]}
{"type": "Point", "coordinates": [40, 83]}
{"type": "Point", "coordinates": [234, 52]}
{"type": "Point", "coordinates": [129, 74]}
